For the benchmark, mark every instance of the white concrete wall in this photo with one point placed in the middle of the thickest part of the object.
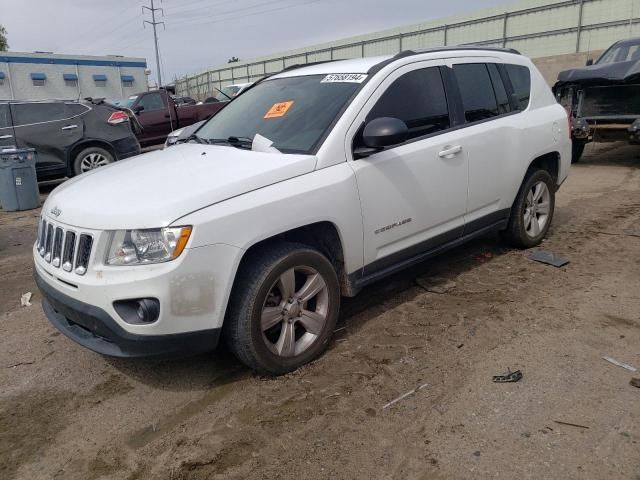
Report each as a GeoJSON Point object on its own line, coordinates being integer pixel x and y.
{"type": "Point", "coordinates": [19, 73]}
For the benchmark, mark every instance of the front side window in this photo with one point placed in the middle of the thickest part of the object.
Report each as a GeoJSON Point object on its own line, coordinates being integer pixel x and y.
{"type": "Point", "coordinates": [28, 113]}
{"type": "Point", "coordinates": [151, 102]}
{"type": "Point", "coordinates": [476, 89]}
{"type": "Point", "coordinates": [293, 112]}
{"type": "Point", "coordinates": [418, 99]}
{"type": "Point", "coordinates": [521, 82]}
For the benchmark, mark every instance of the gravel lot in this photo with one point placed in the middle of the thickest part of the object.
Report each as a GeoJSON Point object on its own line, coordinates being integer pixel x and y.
{"type": "Point", "coordinates": [67, 413]}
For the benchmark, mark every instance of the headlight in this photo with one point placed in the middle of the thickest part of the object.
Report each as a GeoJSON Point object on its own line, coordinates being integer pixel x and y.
{"type": "Point", "coordinates": [142, 247]}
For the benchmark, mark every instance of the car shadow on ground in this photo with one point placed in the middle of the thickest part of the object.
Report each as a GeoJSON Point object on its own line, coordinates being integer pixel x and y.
{"type": "Point", "coordinates": [219, 368]}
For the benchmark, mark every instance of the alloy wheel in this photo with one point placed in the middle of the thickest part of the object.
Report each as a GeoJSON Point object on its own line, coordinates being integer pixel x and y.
{"type": "Point", "coordinates": [295, 311]}
{"type": "Point", "coordinates": [536, 209]}
{"type": "Point", "coordinates": [93, 161]}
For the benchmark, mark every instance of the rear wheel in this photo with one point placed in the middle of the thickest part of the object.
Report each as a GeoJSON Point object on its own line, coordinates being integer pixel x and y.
{"type": "Point", "coordinates": [283, 309]}
{"type": "Point", "coordinates": [90, 159]}
{"type": "Point", "coordinates": [532, 210]}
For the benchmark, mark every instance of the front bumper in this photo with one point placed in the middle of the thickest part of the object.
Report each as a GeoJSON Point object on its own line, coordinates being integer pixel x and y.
{"type": "Point", "coordinates": [96, 330]}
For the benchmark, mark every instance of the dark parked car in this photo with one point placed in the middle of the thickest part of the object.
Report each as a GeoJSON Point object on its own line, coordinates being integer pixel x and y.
{"type": "Point", "coordinates": [603, 98]}
{"type": "Point", "coordinates": [69, 137]}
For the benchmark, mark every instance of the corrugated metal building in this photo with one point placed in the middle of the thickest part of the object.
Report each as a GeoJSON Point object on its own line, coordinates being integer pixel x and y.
{"type": "Point", "coordinates": [47, 76]}
{"type": "Point", "coordinates": [537, 28]}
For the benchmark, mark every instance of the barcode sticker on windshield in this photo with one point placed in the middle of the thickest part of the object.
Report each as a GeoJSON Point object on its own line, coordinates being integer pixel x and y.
{"type": "Point", "coordinates": [344, 78]}
{"type": "Point", "coordinates": [278, 109]}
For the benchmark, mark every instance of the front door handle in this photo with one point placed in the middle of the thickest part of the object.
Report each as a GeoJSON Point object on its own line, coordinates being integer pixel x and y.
{"type": "Point", "coordinates": [4, 137]}
{"type": "Point", "coordinates": [69, 127]}
{"type": "Point", "coordinates": [449, 151]}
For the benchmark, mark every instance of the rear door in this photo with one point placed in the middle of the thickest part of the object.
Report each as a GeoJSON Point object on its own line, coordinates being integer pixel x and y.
{"type": "Point", "coordinates": [49, 127]}
{"type": "Point", "coordinates": [490, 138]}
{"type": "Point", "coordinates": [7, 136]}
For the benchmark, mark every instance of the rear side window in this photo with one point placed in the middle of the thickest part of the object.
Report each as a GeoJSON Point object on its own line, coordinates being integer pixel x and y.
{"type": "Point", "coordinates": [498, 87]}
{"type": "Point", "coordinates": [151, 102]}
{"type": "Point", "coordinates": [27, 113]}
{"type": "Point", "coordinates": [478, 97]}
{"type": "Point", "coordinates": [5, 117]}
{"type": "Point", "coordinates": [521, 81]}
{"type": "Point", "coordinates": [418, 98]}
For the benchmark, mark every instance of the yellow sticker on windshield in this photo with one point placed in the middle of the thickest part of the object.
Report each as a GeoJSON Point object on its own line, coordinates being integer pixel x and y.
{"type": "Point", "coordinates": [279, 109]}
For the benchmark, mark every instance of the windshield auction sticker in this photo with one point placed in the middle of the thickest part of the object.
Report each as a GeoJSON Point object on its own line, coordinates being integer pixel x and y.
{"type": "Point", "coordinates": [344, 78]}
{"type": "Point", "coordinates": [279, 109]}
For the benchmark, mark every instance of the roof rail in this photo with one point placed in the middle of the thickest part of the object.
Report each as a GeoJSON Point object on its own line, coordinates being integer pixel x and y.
{"type": "Point", "coordinates": [407, 53]}
{"type": "Point", "coordinates": [302, 65]}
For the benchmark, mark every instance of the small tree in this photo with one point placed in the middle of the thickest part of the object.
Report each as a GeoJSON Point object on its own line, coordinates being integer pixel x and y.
{"type": "Point", "coordinates": [4, 45]}
{"type": "Point", "coordinates": [233, 60]}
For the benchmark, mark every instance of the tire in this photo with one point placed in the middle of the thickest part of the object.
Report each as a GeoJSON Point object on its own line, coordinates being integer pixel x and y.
{"type": "Point", "coordinates": [90, 159]}
{"type": "Point", "coordinates": [261, 293]}
{"type": "Point", "coordinates": [521, 231]}
{"type": "Point", "coordinates": [577, 151]}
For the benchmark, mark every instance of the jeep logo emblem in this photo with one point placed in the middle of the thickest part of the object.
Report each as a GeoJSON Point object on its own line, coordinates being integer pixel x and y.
{"type": "Point", "coordinates": [56, 211]}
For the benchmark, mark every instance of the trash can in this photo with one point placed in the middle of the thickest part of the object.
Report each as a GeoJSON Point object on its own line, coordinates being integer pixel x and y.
{"type": "Point", "coordinates": [18, 181]}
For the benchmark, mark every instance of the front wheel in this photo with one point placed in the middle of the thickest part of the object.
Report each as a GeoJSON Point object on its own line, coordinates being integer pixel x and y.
{"type": "Point", "coordinates": [532, 210]}
{"type": "Point", "coordinates": [577, 150]}
{"type": "Point", "coordinates": [283, 309]}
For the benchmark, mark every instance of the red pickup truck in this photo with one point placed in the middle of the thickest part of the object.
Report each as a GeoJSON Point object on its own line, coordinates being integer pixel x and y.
{"type": "Point", "coordinates": [158, 114]}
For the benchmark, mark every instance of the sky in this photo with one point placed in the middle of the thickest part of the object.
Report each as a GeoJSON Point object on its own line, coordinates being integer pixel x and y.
{"type": "Point", "coordinates": [198, 34]}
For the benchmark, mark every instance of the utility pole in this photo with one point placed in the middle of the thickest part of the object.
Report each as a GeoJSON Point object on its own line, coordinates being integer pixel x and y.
{"type": "Point", "coordinates": [153, 23]}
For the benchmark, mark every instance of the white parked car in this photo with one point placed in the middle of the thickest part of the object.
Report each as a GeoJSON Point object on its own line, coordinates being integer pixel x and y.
{"type": "Point", "coordinates": [311, 185]}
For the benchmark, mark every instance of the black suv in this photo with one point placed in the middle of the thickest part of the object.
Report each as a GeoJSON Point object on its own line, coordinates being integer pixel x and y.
{"type": "Point", "coordinates": [69, 137]}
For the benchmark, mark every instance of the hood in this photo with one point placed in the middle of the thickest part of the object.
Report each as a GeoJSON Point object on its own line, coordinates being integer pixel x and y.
{"type": "Point", "coordinates": [154, 189]}
{"type": "Point", "coordinates": [608, 73]}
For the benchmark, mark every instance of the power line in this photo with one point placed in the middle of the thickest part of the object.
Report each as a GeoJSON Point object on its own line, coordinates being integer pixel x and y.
{"type": "Point", "coordinates": [226, 18]}
{"type": "Point", "coordinates": [154, 23]}
{"type": "Point", "coordinates": [201, 15]}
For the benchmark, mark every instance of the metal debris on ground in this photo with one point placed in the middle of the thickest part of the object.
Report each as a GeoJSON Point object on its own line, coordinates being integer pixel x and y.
{"type": "Point", "coordinates": [620, 364]}
{"type": "Point", "coordinates": [435, 285]}
{"type": "Point", "coordinates": [25, 299]}
{"type": "Point", "coordinates": [571, 424]}
{"type": "Point", "coordinates": [508, 377]}
{"type": "Point", "coordinates": [402, 397]}
{"type": "Point", "coordinates": [635, 382]}
{"type": "Point", "coordinates": [549, 258]}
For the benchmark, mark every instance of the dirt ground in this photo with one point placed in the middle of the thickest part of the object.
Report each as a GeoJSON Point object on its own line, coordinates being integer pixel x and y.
{"type": "Point", "coordinates": [67, 413]}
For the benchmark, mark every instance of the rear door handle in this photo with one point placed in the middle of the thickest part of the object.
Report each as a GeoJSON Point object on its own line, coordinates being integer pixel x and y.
{"type": "Point", "coordinates": [69, 127]}
{"type": "Point", "coordinates": [4, 137]}
{"type": "Point", "coordinates": [449, 151]}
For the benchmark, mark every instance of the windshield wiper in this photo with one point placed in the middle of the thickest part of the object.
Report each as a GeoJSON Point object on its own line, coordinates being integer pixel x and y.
{"type": "Point", "coordinates": [238, 142]}
{"type": "Point", "coordinates": [195, 138]}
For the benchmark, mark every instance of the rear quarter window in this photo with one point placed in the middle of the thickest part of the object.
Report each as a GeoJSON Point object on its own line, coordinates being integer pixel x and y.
{"type": "Point", "coordinates": [520, 77]}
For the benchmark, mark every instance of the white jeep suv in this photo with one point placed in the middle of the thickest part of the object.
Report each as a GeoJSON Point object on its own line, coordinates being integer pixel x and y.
{"type": "Point", "coordinates": [310, 185]}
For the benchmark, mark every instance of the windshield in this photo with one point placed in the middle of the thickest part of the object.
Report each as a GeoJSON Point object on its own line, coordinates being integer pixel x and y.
{"type": "Point", "coordinates": [292, 112]}
{"type": "Point", "coordinates": [628, 52]}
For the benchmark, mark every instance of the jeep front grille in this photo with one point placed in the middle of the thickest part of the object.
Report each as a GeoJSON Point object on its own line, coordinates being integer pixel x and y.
{"type": "Point", "coordinates": [64, 248]}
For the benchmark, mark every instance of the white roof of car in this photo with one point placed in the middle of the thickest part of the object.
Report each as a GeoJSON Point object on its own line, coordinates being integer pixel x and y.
{"type": "Point", "coordinates": [354, 65]}
{"type": "Point", "coordinates": [362, 65]}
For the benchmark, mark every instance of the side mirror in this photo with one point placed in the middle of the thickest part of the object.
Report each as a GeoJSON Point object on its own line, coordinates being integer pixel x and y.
{"type": "Point", "coordinates": [384, 132]}
{"type": "Point", "coordinates": [138, 108]}
{"type": "Point", "coordinates": [589, 62]}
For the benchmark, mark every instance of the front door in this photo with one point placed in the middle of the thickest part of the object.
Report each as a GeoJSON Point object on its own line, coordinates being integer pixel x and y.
{"type": "Point", "coordinates": [154, 117]}
{"type": "Point", "coordinates": [413, 196]}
